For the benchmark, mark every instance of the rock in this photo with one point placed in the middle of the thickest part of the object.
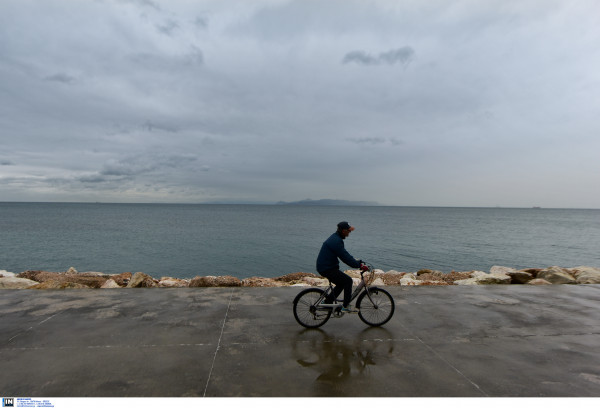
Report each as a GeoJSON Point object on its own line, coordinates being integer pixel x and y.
{"type": "Point", "coordinates": [434, 283]}
{"type": "Point", "coordinates": [257, 282]}
{"type": "Point", "coordinates": [122, 279]}
{"type": "Point", "coordinates": [501, 270]}
{"type": "Point", "coordinates": [586, 274]}
{"type": "Point", "coordinates": [538, 282]}
{"type": "Point", "coordinates": [378, 282]}
{"type": "Point", "coordinates": [5, 274]}
{"type": "Point", "coordinates": [556, 275]}
{"type": "Point", "coordinates": [12, 282]}
{"type": "Point", "coordinates": [110, 284]}
{"type": "Point", "coordinates": [453, 276]}
{"type": "Point", "coordinates": [532, 271]}
{"type": "Point", "coordinates": [100, 274]}
{"type": "Point", "coordinates": [59, 285]}
{"type": "Point", "coordinates": [214, 281]}
{"type": "Point", "coordinates": [95, 282]}
{"type": "Point", "coordinates": [482, 278]}
{"type": "Point", "coordinates": [429, 276]}
{"type": "Point", "coordinates": [316, 281]}
{"type": "Point", "coordinates": [393, 278]}
{"type": "Point", "coordinates": [296, 277]}
{"type": "Point", "coordinates": [427, 271]}
{"type": "Point", "coordinates": [71, 271]}
{"type": "Point", "coordinates": [141, 280]}
{"type": "Point", "coordinates": [520, 277]}
{"type": "Point", "coordinates": [410, 280]}
{"type": "Point", "coordinates": [44, 276]}
{"type": "Point", "coordinates": [167, 282]}
{"type": "Point", "coordinates": [38, 276]}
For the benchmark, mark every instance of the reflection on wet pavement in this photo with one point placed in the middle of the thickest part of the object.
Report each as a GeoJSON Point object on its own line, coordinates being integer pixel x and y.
{"type": "Point", "coordinates": [335, 359]}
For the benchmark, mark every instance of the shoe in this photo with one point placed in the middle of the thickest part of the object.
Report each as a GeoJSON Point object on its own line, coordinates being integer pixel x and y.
{"type": "Point", "coordinates": [349, 309]}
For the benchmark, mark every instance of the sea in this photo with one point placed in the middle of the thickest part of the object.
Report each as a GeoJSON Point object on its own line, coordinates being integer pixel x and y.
{"type": "Point", "coordinates": [188, 240]}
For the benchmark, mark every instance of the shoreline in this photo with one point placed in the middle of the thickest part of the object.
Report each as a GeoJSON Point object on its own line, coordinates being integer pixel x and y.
{"type": "Point", "coordinates": [72, 279]}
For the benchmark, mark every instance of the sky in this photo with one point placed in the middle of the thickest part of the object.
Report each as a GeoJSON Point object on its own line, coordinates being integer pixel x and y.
{"type": "Point", "coordinates": [432, 103]}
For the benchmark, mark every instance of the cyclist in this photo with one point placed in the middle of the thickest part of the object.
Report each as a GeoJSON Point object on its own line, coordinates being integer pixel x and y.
{"type": "Point", "coordinates": [328, 264]}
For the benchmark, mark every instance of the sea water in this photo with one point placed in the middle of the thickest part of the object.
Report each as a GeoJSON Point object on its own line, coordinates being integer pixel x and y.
{"type": "Point", "coordinates": [184, 241]}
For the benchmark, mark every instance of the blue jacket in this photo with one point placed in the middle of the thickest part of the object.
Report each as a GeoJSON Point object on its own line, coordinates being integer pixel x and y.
{"type": "Point", "coordinates": [332, 249]}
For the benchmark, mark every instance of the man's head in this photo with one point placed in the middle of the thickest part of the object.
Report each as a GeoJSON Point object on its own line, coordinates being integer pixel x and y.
{"type": "Point", "coordinates": [344, 229]}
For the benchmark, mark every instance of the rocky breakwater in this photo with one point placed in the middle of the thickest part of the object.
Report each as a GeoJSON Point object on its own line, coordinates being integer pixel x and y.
{"type": "Point", "coordinates": [72, 279]}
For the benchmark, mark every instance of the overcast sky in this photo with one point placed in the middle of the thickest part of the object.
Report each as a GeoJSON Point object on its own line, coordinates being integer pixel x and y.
{"type": "Point", "coordinates": [443, 103]}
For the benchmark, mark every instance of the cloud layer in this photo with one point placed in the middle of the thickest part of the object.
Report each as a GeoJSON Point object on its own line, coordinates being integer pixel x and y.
{"type": "Point", "coordinates": [409, 103]}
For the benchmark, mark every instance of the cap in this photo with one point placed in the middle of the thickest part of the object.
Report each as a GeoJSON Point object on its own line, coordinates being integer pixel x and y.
{"type": "Point", "coordinates": [345, 226]}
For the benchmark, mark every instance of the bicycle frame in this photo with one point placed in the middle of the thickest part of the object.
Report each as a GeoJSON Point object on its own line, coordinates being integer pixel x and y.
{"type": "Point", "coordinates": [361, 286]}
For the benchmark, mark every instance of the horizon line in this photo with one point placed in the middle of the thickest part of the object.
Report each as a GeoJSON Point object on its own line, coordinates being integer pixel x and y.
{"type": "Point", "coordinates": [296, 204]}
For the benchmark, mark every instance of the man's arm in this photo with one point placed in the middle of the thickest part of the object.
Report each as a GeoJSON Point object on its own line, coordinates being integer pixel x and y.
{"type": "Point", "coordinates": [345, 256]}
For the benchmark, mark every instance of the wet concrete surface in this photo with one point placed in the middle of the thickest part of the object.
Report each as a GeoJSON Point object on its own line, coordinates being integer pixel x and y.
{"type": "Point", "coordinates": [460, 341]}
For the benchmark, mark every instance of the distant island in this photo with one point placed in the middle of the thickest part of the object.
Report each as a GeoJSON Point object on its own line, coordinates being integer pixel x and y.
{"type": "Point", "coordinates": [328, 201]}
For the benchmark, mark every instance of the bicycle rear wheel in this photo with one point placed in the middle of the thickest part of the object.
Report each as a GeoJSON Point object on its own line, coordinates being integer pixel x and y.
{"type": "Point", "coordinates": [306, 311]}
{"type": "Point", "coordinates": [376, 310]}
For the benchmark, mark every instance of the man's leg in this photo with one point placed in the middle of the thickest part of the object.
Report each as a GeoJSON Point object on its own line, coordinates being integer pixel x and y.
{"type": "Point", "coordinates": [342, 282]}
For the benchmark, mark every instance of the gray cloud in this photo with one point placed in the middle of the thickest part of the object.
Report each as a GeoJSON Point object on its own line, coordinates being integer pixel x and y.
{"type": "Point", "coordinates": [142, 3]}
{"type": "Point", "coordinates": [402, 56]}
{"type": "Point", "coordinates": [61, 77]}
{"type": "Point", "coordinates": [168, 27]}
{"type": "Point", "coordinates": [201, 22]}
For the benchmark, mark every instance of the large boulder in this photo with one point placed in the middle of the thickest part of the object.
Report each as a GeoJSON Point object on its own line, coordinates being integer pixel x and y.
{"type": "Point", "coordinates": [110, 284]}
{"type": "Point", "coordinates": [556, 275]}
{"type": "Point", "coordinates": [81, 279]}
{"type": "Point", "coordinates": [71, 271]}
{"type": "Point", "coordinates": [586, 274]}
{"type": "Point", "coordinates": [538, 281]}
{"type": "Point", "coordinates": [393, 278]}
{"type": "Point", "coordinates": [39, 276]}
{"type": "Point", "coordinates": [454, 276]}
{"type": "Point", "coordinates": [482, 278]}
{"type": "Point", "coordinates": [59, 285]}
{"type": "Point", "coordinates": [317, 281]}
{"type": "Point", "coordinates": [520, 277]}
{"type": "Point", "coordinates": [410, 280]}
{"type": "Point", "coordinates": [122, 279]}
{"type": "Point", "coordinates": [296, 277]}
{"type": "Point", "coordinates": [141, 280]}
{"type": "Point", "coordinates": [12, 282]}
{"type": "Point", "coordinates": [6, 274]}
{"type": "Point", "coordinates": [168, 282]}
{"type": "Point", "coordinates": [258, 282]}
{"type": "Point", "coordinates": [428, 275]}
{"type": "Point", "coordinates": [214, 281]}
{"type": "Point", "coordinates": [495, 270]}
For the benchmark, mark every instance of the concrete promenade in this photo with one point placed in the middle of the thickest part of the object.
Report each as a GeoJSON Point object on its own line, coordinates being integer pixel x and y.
{"type": "Point", "coordinates": [453, 341]}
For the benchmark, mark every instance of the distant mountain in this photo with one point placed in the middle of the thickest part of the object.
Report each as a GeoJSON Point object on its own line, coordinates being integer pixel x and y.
{"type": "Point", "coordinates": [328, 201]}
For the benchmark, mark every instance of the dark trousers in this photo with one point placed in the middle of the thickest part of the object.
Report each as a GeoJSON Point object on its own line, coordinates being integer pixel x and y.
{"type": "Point", "coordinates": [342, 282]}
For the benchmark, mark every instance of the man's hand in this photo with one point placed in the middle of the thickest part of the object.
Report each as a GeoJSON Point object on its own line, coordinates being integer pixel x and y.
{"type": "Point", "coordinates": [364, 267]}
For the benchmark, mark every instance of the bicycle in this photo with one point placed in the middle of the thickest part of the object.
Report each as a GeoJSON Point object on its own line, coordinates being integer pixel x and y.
{"type": "Point", "coordinates": [375, 305]}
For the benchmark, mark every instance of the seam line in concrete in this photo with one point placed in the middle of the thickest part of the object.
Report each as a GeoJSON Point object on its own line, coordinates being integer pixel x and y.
{"type": "Point", "coordinates": [447, 362]}
{"type": "Point", "coordinates": [454, 368]}
{"type": "Point", "coordinates": [31, 328]}
{"type": "Point", "coordinates": [218, 343]}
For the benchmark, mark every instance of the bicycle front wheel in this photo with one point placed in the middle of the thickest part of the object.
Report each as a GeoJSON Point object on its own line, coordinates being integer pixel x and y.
{"type": "Point", "coordinates": [377, 309]}
{"type": "Point", "coordinates": [306, 310]}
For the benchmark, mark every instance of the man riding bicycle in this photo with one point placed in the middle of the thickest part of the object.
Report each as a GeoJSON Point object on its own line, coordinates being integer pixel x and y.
{"type": "Point", "coordinates": [329, 266]}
